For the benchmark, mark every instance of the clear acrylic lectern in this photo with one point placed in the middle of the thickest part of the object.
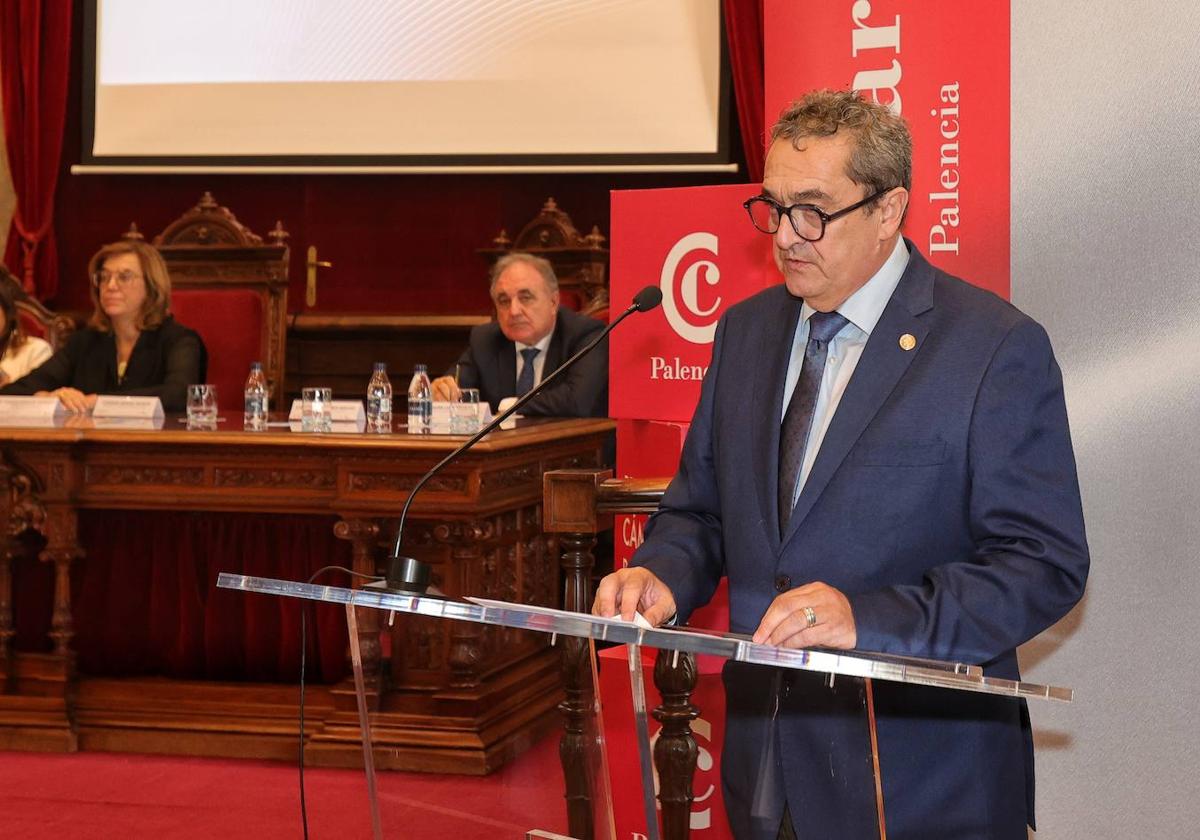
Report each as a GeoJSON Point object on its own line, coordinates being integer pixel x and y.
{"type": "Point", "coordinates": [845, 681]}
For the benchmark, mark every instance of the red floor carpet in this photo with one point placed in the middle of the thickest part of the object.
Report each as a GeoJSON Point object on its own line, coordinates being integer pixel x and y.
{"type": "Point", "coordinates": [90, 796]}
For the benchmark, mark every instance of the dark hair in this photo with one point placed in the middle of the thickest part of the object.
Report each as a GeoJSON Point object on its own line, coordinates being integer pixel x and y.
{"type": "Point", "coordinates": [12, 336]}
{"type": "Point", "coordinates": [881, 154]}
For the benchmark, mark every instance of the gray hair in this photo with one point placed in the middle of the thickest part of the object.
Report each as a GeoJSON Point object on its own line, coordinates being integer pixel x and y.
{"type": "Point", "coordinates": [542, 266]}
{"type": "Point", "coordinates": [881, 153]}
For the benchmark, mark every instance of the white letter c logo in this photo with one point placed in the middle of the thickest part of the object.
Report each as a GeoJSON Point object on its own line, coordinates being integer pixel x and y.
{"type": "Point", "coordinates": [689, 287]}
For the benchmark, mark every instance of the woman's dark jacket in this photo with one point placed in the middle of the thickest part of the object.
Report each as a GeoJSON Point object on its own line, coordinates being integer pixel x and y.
{"type": "Point", "coordinates": [163, 363]}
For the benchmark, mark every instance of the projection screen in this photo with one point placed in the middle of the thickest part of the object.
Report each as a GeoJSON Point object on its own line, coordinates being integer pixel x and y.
{"type": "Point", "coordinates": [524, 84]}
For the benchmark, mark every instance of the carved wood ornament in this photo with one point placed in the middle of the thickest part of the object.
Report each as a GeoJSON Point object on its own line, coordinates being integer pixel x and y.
{"type": "Point", "coordinates": [54, 328]}
{"type": "Point", "coordinates": [208, 248]}
{"type": "Point", "coordinates": [580, 262]}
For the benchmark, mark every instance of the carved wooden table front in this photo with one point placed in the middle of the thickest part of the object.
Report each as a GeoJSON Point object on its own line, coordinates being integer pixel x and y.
{"type": "Point", "coordinates": [452, 697]}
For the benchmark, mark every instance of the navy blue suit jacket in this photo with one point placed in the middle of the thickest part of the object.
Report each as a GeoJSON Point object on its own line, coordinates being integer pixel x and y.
{"type": "Point", "coordinates": [490, 364]}
{"type": "Point", "coordinates": [943, 502]}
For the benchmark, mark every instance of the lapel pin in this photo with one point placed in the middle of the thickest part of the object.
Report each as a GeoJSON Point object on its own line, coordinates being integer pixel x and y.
{"type": "Point", "coordinates": [908, 341]}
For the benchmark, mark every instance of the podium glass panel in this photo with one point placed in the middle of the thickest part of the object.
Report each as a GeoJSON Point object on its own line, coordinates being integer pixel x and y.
{"type": "Point", "coordinates": [806, 714]}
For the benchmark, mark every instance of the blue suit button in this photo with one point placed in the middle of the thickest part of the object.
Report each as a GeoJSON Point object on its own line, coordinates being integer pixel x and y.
{"type": "Point", "coordinates": [782, 583]}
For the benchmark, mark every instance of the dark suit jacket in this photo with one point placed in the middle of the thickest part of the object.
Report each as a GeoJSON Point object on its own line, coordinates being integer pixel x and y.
{"type": "Point", "coordinates": [163, 363]}
{"type": "Point", "coordinates": [943, 502]}
{"type": "Point", "coordinates": [490, 364]}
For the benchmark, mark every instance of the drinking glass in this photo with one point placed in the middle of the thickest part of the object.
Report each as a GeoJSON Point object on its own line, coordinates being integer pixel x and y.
{"type": "Point", "coordinates": [316, 410]}
{"type": "Point", "coordinates": [202, 406]}
{"type": "Point", "coordinates": [464, 413]}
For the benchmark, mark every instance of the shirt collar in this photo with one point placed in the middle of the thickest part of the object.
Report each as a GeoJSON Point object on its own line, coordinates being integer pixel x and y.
{"type": "Point", "coordinates": [865, 307]}
{"type": "Point", "coordinates": [541, 345]}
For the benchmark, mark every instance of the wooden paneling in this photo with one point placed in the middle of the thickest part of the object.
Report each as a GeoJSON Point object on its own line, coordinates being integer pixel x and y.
{"type": "Point", "coordinates": [338, 350]}
{"type": "Point", "coordinates": [446, 696]}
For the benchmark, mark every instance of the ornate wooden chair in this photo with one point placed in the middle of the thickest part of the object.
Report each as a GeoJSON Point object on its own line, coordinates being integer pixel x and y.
{"type": "Point", "coordinates": [580, 262]}
{"type": "Point", "coordinates": [36, 319]}
{"type": "Point", "coordinates": [231, 287]}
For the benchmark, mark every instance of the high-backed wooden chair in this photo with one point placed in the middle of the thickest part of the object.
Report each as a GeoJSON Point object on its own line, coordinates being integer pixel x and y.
{"type": "Point", "coordinates": [36, 319]}
{"type": "Point", "coordinates": [580, 262]}
{"type": "Point", "coordinates": [231, 287]}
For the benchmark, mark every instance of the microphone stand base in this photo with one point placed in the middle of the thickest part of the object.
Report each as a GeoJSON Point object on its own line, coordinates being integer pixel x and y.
{"type": "Point", "coordinates": [407, 575]}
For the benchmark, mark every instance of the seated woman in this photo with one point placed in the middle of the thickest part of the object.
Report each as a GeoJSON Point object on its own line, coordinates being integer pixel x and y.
{"type": "Point", "coordinates": [131, 346]}
{"type": "Point", "coordinates": [19, 353]}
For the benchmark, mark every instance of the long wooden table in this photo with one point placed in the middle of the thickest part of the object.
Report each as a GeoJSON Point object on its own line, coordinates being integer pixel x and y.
{"type": "Point", "coordinates": [452, 697]}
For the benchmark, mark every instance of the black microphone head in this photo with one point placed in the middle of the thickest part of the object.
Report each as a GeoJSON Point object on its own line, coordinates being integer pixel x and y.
{"type": "Point", "coordinates": [647, 299]}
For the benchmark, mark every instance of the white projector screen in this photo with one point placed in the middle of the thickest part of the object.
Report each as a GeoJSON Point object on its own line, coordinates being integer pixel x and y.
{"type": "Point", "coordinates": [526, 84]}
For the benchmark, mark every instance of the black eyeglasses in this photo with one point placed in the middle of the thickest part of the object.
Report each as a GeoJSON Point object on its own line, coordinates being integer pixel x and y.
{"type": "Point", "coordinates": [808, 221]}
{"type": "Point", "coordinates": [102, 278]}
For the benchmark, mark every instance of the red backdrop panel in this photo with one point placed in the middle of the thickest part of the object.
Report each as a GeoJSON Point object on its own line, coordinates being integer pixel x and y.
{"type": "Point", "coordinates": [707, 819]}
{"type": "Point", "coordinates": [699, 247]}
{"type": "Point", "coordinates": [944, 67]}
{"type": "Point", "coordinates": [645, 449]}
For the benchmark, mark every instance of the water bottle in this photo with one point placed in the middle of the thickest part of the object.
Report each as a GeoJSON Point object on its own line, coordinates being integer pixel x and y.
{"type": "Point", "coordinates": [255, 417]}
{"type": "Point", "coordinates": [420, 401]}
{"type": "Point", "coordinates": [379, 400]}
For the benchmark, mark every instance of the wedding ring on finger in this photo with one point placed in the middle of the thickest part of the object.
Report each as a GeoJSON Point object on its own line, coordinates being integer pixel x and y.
{"type": "Point", "coordinates": [810, 617]}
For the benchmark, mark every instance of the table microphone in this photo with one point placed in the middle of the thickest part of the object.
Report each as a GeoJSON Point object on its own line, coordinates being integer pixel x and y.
{"type": "Point", "coordinates": [411, 575]}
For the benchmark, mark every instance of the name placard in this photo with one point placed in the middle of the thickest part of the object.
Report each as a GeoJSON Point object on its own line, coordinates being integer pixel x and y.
{"type": "Point", "coordinates": [342, 411]}
{"type": "Point", "coordinates": [22, 411]}
{"type": "Point", "coordinates": [132, 423]}
{"type": "Point", "coordinates": [441, 418]}
{"type": "Point", "coordinates": [343, 426]}
{"type": "Point", "coordinates": [504, 405]}
{"type": "Point", "coordinates": [144, 408]}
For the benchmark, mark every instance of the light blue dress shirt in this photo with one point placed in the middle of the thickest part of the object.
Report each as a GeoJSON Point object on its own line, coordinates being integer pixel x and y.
{"type": "Point", "coordinates": [863, 310]}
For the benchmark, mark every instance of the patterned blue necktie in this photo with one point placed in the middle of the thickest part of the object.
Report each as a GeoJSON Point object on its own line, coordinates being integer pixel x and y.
{"type": "Point", "coordinates": [525, 380]}
{"type": "Point", "coordinates": [793, 435]}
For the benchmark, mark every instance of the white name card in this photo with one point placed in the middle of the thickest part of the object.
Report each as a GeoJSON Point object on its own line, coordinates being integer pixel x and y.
{"type": "Point", "coordinates": [441, 419]}
{"type": "Point", "coordinates": [505, 405]}
{"type": "Point", "coordinates": [342, 411]}
{"type": "Point", "coordinates": [132, 423]}
{"type": "Point", "coordinates": [343, 426]}
{"type": "Point", "coordinates": [15, 411]}
{"type": "Point", "coordinates": [442, 410]}
{"type": "Point", "coordinates": [143, 408]}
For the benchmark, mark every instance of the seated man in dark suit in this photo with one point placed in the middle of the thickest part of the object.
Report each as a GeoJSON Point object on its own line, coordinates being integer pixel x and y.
{"type": "Point", "coordinates": [532, 335]}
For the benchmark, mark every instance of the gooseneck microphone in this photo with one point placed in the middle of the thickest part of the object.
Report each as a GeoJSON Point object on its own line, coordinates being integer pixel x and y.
{"type": "Point", "coordinates": [411, 575]}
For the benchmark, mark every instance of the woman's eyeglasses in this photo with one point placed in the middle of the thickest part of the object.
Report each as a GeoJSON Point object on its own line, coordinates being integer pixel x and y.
{"type": "Point", "coordinates": [102, 278]}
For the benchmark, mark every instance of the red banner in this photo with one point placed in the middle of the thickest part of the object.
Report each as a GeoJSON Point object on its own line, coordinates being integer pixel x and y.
{"type": "Point", "coordinates": [645, 449]}
{"type": "Point", "coordinates": [707, 820]}
{"type": "Point", "coordinates": [697, 244]}
{"type": "Point", "coordinates": [944, 66]}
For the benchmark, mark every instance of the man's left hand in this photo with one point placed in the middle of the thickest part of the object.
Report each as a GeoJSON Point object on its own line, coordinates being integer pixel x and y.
{"type": "Point", "coordinates": [786, 622]}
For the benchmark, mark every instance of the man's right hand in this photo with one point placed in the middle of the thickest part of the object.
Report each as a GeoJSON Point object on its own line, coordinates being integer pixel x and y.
{"type": "Point", "coordinates": [631, 590]}
{"type": "Point", "coordinates": [445, 389]}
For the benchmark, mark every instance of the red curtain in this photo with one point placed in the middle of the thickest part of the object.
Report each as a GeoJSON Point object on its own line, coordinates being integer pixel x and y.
{"type": "Point", "coordinates": [144, 599]}
{"type": "Point", "coordinates": [35, 61]}
{"type": "Point", "coordinates": [744, 30]}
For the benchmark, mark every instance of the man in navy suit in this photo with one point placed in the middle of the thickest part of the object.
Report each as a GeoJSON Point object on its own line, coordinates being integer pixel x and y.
{"type": "Point", "coordinates": [531, 336]}
{"type": "Point", "coordinates": [880, 460]}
